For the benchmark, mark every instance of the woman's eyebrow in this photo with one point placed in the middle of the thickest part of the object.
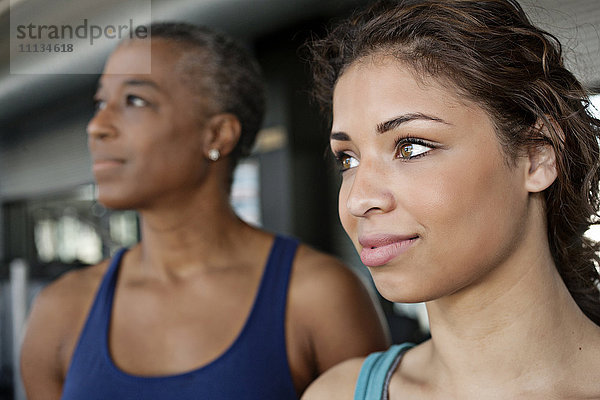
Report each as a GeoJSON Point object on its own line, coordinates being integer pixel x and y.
{"type": "Point", "coordinates": [339, 136]}
{"type": "Point", "coordinates": [143, 83]}
{"type": "Point", "coordinates": [391, 124]}
{"type": "Point", "coordinates": [135, 82]}
{"type": "Point", "coordinates": [395, 122]}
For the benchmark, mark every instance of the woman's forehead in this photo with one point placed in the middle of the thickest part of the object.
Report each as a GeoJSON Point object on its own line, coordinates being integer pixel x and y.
{"type": "Point", "coordinates": [143, 57]}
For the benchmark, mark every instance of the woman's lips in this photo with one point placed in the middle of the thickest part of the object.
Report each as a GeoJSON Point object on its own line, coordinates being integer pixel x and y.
{"type": "Point", "coordinates": [380, 250]}
{"type": "Point", "coordinates": [106, 164]}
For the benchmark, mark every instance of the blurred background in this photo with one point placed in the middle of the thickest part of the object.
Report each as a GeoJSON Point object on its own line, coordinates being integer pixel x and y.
{"type": "Point", "coordinates": [49, 220]}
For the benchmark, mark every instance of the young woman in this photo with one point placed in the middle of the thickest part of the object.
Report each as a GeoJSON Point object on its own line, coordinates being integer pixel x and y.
{"type": "Point", "coordinates": [469, 168]}
{"type": "Point", "coordinates": [205, 306]}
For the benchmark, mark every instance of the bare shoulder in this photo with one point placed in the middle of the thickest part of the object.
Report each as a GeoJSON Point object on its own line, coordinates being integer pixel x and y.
{"type": "Point", "coordinates": [69, 292]}
{"type": "Point", "coordinates": [63, 303]}
{"type": "Point", "coordinates": [320, 271]}
{"type": "Point", "coordinates": [60, 308]}
{"type": "Point", "coordinates": [53, 326]}
{"type": "Point", "coordinates": [337, 314]}
{"type": "Point", "coordinates": [338, 383]}
{"type": "Point", "coordinates": [320, 280]}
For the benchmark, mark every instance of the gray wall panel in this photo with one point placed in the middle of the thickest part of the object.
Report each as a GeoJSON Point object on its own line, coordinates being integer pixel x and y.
{"type": "Point", "coordinates": [46, 162]}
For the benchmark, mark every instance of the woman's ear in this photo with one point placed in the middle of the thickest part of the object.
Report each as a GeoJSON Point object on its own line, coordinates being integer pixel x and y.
{"type": "Point", "coordinates": [541, 162]}
{"type": "Point", "coordinates": [223, 133]}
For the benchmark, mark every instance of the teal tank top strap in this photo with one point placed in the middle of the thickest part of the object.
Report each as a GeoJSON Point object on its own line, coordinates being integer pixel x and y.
{"type": "Point", "coordinates": [376, 372]}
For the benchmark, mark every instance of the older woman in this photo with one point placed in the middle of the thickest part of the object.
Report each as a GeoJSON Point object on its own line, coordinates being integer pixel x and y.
{"type": "Point", "coordinates": [205, 306]}
{"type": "Point", "coordinates": [469, 168]}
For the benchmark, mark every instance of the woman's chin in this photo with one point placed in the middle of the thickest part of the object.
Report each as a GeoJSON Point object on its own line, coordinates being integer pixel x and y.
{"type": "Point", "coordinates": [115, 202]}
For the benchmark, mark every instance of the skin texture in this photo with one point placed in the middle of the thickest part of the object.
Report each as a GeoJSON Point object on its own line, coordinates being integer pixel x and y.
{"type": "Point", "coordinates": [503, 324]}
{"type": "Point", "coordinates": [197, 262]}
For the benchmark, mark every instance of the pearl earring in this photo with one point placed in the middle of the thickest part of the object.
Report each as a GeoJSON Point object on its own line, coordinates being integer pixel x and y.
{"type": "Point", "coordinates": [213, 154]}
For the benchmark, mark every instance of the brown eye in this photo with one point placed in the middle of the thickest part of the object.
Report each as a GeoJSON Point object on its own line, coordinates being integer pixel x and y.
{"type": "Point", "coordinates": [347, 162]}
{"type": "Point", "coordinates": [409, 149]}
{"type": "Point", "coordinates": [136, 101]}
{"type": "Point", "coordinates": [406, 150]}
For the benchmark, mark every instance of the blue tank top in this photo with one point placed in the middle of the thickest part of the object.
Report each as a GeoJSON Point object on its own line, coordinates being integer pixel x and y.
{"type": "Point", "coordinates": [376, 372]}
{"type": "Point", "coordinates": [254, 367]}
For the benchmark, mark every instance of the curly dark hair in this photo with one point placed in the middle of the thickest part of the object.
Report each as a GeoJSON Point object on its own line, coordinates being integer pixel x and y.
{"type": "Point", "coordinates": [224, 70]}
{"type": "Point", "coordinates": [490, 53]}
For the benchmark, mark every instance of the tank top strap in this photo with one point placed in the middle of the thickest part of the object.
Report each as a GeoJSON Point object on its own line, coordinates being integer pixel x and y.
{"type": "Point", "coordinates": [99, 315]}
{"type": "Point", "coordinates": [271, 299]}
{"type": "Point", "coordinates": [106, 292]}
{"type": "Point", "coordinates": [376, 372]}
{"type": "Point", "coordinates": [90, 345]}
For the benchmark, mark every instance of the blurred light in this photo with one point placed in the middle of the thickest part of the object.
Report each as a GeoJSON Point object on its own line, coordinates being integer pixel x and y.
{"type": "Point", "coordinates": [595, 105]}
{"type": "Point", "coordinates": [594, 230]}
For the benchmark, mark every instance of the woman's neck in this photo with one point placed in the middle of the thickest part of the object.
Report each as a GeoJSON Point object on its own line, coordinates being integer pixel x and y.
{"type": "Point", "coordinates": [200, 231]}
{"type": "Point", "coordinates": [517, 329]}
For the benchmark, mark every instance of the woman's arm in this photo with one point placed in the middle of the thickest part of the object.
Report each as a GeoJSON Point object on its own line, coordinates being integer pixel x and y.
{"type": "Point", "coordinates": [40, 353]}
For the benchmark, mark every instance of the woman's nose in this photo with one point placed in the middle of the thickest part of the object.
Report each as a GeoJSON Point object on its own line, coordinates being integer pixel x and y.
{"type": "Point", "coordinates": [369, 192]}
{"type": "Point", "coordinates": [101, 126]}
